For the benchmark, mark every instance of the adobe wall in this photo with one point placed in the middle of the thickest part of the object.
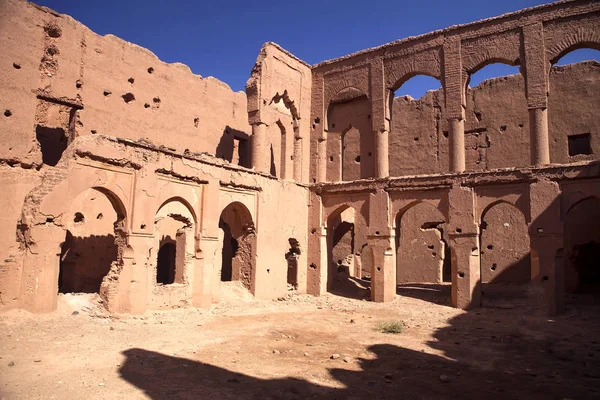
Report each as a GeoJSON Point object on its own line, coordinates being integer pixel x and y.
{"type": "Point", "coordinates": [496, 123]}
{"type": "Point", "coordinates": [144, 185]}
{"type": "Point", "coordinates": [57, 73]}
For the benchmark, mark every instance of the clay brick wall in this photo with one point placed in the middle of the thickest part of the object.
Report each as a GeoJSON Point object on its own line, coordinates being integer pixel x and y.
{"type": "Point", "coordinates": [57, 73]}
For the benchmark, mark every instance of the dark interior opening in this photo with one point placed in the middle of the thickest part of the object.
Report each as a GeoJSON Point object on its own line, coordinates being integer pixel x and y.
{"type": "Point", "coordinates": [84, 262]}
{"type": "Point", "coordinates": [230, 248]}
{"type": "Point", "coordinates": [165, 269]}
{"type": "Point", "coordinates": [579, 144]}
{"type": "Point", "coordinates": [586, 260]}
{"type": "Point", "coordinates": [53, 143]}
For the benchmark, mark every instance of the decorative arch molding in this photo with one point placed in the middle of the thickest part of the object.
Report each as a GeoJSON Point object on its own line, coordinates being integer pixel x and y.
{"type": "Point", "coordinates": [400, 204]}
{"type": "Point", "coordinates": [400, 69]}
{"type": "Point", "coordinates": [359, 205]}
{"type": "Point", "coordinates": [288, 102]}
{"type": "Point", "coordinates": [502, 48]}
{"type": "Point", "coordinates": [498, 202]}
{"type": "Point", "coordinates": [564, 36]}
{"type": "Point", "coordinates": [334, 83]}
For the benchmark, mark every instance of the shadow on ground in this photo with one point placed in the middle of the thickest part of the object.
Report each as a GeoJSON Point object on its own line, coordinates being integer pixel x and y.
{"type": "Point", "coordinates": [484, 354]}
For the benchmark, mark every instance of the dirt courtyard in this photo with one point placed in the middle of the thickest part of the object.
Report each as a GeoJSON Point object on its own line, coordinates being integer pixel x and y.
{"type": "Point", "coordinates": [304, 347]}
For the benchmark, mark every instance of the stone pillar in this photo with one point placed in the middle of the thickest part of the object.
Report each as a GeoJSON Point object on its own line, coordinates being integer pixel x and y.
{"type": "Point", "coordinates": [466, 272]}
{"type": "Point", "coordinates": [454, 87]}
{"type": "Point", "coordinates": [383, 262]}
{"type": "Point", "coordinates": [379, 121]}
{"type": "Point", "coordinates": [382, 164]}
{"type": "Point", "coordinates": [322, 160]}
{"type": "Point", "coordinates": [463, 232]}
{"type": "Point", "coordinates": [456, 129]}
{"type": "Point", "coordinates": [260, 157]}
{"type": "Point", "coordinates": [380, 248]}
{"type": "Point", "coordinates": [536, 88]}
{"type": "Point", "coordinates": [204, 272]}
{"type": "Point", "coordinates": [137, 274]}
{"type": "Point", "coordinates": [538, 131]}
{"type": "Point", "coordinates": [316, 253]}
{"type": "Point", "coordinates": [298, 159]}
{"type": "Point", "coordinates": [546, 236]}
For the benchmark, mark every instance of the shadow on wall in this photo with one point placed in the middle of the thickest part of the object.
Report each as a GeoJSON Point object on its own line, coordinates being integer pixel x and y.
{"type": "Point", "coordinates": [234, 147]}
{"type": "Point", "coordinates": [486, 354]}
{"type": "Point", "coordinates": [84, 261]}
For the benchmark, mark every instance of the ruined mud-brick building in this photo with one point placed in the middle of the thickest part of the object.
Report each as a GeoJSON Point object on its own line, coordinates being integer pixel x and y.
{"type": "Point", "coordinates": [150, 185]}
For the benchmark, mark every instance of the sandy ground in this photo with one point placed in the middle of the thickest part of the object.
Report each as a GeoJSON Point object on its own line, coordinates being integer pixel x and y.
{"type": "Point", "coordinates": [304, 347]}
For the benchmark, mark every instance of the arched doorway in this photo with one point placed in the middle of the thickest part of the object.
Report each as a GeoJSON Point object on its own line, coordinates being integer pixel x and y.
{"type": "Point", "coordinates": [174, 232]}
{"type": "Point", "coordinates": [238, 246]}
{"type": "Point", "coordinates": [582, 246]}
{"type": "Point", "coordinates": [347, 274]}
{"type": "Point", "coordinates": [95, 224]}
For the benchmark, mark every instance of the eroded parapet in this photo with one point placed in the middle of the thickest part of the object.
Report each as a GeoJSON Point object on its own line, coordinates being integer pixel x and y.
{"type": "Point", "coordinates": [278, 94]}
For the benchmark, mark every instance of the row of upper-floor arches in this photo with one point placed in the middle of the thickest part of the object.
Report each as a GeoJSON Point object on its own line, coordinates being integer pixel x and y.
{"type": "Point", "coordinates": [416, 148]}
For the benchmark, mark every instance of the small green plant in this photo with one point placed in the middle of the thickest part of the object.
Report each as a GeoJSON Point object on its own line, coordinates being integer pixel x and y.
{"type": "Point", "coordinates": [393, 327]}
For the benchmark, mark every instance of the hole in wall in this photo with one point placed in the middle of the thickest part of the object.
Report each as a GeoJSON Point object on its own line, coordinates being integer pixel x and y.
{"type": "Point", "coordinates": [494, 266]}
{"type": "Point", "coordinates": [357, 159]}
{"type": "Point", "coordinates": [156, 99]}
{"type": "Point", "coordinates": [128, 97]}
{"type": "Point", "coordinates": [317, 120]}
{"type": "Point", "coordinates": [143, 226]}
{"type": "Point", "coordinates": [16, 66]}
{"type": "Point", "coordinates": [78, 84]}
{"type": "Point", "coordinates": [579, 144]}
{"type": "Point", "coordinates": [78, 218]}
{"type": "Point", "coordinates": [7, 113]}
{"type": "Point", "coordinates": [313, 266]}
{"type": "Point", "coordinates": [165, 265]}
{"type": "Point", "coordinates": [146, 105]}
{"type": "Point", "coordinates": [196, 121]}
{"type": "Point", "coordinates": [445, 134]}
{"type": "Point", "coordinates": [478, 116]}
{"type": "Point", "coordinates": [378, 268]}
{"type": "Point", "coordinates": [150, 70]}
{"type": "Point", "coordinates": [520, 125]}
{"type": "Point", "coordinates": [490, 246]}
{"type": "Point", "coordinates": [544, 278]}
{"type": "Point", "coordinates": [107, 92]}
{"type": "Point", "coordinates": [313, 231]}
{"type": "Point", "coordinates": [93, 131]}
{"type": "Point", "coordinates": [430, 247]}
{"type": "Point", "coordinates": [377, 232]}
{"type": "Point", "coordinates": [131, 80]}
{"type": "Point", "coordinates": [330, 158]}
{"type": "Point", "coordinates": [99, 216]}
{"type": "Point", "coordinates": [49, 220]}
{"type": "Point", "coordinates": [53, 143]}
{"type": "Point", "coordinates": [370, 154]}
{"type": "Point", "coordinates": [416, 139]}
{"type": "Point", "coordinates": [502, 128]}
{"type": "Point", "coordinates": [458, 230]}
{"type": "Point", "coordinates": [53, 31]}
{"type": "Point", "coordinates": [461, 274]}
{"type": "Point", "coordinates": [52, 50]}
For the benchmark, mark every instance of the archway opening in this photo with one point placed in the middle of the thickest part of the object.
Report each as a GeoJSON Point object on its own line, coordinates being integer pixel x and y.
{"type": "Point", "coordinates": [349, 137]}
{"type": "Point", "coordinates": [238, 245]}
{"type": "Point", "coordinates": [90, 248]}
{"type": "Point", "coordinates": [505, 260]}
{"type": "Point", "coordinates": [415, 109]}
{"type": "Point", "coordinates": [582, 247]}
{"type": "Point", "coordinates": [348, 272]}
{"type": "Point", "coordinates": [174, 232]}
{"type": "Point", "coordinates": [422, 254]}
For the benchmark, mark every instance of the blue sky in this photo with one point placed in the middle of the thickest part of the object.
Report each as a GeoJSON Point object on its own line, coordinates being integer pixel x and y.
{"type": "Point", "coordinates": [222, 38]}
